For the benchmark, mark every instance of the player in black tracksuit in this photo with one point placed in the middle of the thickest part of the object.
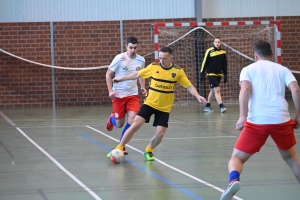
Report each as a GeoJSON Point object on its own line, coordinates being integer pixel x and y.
{"type": "Point", "coordinates": [213, 66]}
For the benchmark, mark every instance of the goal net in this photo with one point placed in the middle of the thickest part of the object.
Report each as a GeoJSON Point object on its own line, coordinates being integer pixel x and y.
{"type": "Point", "coordinates": [190, 41]}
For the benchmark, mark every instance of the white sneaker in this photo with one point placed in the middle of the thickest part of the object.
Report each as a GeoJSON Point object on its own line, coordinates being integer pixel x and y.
{"type": "Point", "coordinates": [231, 190]}
{"type": "Point", "coordinates": [207, 109]}
{"type": "Point", "coordinates": [223, 109]}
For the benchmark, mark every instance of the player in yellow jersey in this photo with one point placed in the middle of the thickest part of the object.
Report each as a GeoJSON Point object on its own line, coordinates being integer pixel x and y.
{"type": "Point", "coordinates": [159, 99]}
{"type": "Point", "coordinates": [214, 65]}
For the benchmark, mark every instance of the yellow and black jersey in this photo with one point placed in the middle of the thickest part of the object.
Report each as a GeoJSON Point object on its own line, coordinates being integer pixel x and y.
{"type": "Point", "coordinates": [162, 84]}
{"type": "Point", "coordinates": [214, 62]}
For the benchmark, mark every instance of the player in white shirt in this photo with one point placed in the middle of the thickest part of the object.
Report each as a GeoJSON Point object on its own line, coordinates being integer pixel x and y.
{"type": "Point", "coordinates": [262, 95]}
{"type": "Point", "coordinates": [124, 95]}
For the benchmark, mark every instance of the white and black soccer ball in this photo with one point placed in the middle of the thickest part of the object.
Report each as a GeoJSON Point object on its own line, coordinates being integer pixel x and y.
{"type": "Point", "coordinates": [116, 156]}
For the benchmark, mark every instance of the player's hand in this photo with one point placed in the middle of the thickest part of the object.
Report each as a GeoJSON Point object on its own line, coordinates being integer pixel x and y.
{"type": "Point", "coordinates": [112, 94]}
{"type": "Point", "coordinates": [117, 80]}
{"type": "Point", "coordinates": [202, 100]}
{"type": "Point", "coordinates": [144, 91]}
{"type": "Point", "coordinates": [240, 123]}
{"type": "Point", "coordinates": [225, 79]}
{"type": "Point", "coordinates": [297, 121]}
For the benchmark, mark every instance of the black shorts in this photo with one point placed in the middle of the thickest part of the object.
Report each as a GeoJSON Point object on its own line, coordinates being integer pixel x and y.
{"type": "Point", "coordinates": [160, 118]}
{"type": "Point", "coordinates": [214, 81]}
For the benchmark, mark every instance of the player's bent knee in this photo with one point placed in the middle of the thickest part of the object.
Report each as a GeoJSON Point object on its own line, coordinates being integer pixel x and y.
{"type": "Point", "coordinates": [160, 134]}
{"type": "Point", "coordinates": [119, 125]}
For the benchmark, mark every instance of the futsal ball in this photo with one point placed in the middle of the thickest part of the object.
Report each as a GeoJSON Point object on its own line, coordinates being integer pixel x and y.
{"type": "Point", "coordinates": [116, 156]}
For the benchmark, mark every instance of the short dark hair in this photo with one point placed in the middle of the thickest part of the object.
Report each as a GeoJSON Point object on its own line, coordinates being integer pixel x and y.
{"type": "Point", "coordinates": [132, 40]}
{"type": "Point", "coordinates": [217, 38]}
{"type": "Point", "coordinates": [166, 49]}
{"type": "Point", "coordinates": [262, 48]}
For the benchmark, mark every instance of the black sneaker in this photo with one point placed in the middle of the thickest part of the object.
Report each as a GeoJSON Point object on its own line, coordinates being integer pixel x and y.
{"type": "Point", "coordinates": [124, 151]}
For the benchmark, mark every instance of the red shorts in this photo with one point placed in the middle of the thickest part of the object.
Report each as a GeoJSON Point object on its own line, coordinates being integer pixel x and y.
{"type": "Point", "coordinates": [254, 136]}
{"type": "Point", "coordinates": [122, 105]}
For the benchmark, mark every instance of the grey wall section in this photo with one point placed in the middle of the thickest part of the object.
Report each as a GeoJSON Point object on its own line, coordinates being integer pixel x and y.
{"type": "Point", "coordinates": [198, 10]}
{"type": "Point", "coordinates": [93, 10]}
{"type": "Point", "coordinates": [249, 8]}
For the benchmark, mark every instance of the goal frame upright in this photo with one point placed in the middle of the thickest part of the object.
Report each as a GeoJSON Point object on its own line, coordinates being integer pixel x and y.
{"type": "Point", "coordinates": [222, 23]}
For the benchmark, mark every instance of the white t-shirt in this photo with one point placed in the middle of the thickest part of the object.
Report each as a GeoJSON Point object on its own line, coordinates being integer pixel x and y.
{"type": "Point", "coordinates": [123, 65]}
{"type": "Point", "coordinates": [267, 104]}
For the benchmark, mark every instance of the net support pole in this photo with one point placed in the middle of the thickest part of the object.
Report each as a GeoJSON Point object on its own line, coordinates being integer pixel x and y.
{"type": "Point", "coordinates": [275, 34]}
{"type": "Point", "coordinates": [199, 47]}
{"type": "Point", "coordinates": [52, 62]}
{"type": "Point", "coordinates": [198, 10]}
{"type": "Point", "coordinates": [121, 36]}
{"type": "Point", "coordinates": [152, 43]}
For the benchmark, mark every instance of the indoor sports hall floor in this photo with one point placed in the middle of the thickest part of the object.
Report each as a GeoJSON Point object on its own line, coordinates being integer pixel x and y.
{"type": "Point", "coordinates": [60, 154]}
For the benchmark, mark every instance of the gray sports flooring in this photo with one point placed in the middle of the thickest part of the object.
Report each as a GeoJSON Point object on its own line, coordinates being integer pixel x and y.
{"type": "Point", "coordinates": [60, 154]}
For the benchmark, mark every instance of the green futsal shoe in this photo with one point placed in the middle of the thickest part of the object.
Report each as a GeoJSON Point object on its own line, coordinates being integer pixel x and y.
{"type": "Point", "coordinates": [149, 156]}
{"type": "Point", "coordinates": [108, 155]}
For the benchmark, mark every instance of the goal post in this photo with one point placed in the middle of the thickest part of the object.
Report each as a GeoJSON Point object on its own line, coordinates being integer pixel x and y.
{"type": "Point", "coordinates": [190, 41]}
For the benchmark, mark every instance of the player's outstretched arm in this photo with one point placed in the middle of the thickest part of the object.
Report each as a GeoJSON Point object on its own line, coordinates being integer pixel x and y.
{"type": "Point", "coordinates": [194, 92]}
{"type": "Point", "coordinates": [243, 101]}
{"type": "Point", "coordinates": [108, 76]}
{"type": "Point", "coordinates": [142, 84]}
{"type": "Point", "coordinates": [131, 76]}
{"type": "Point", "coordinates": [294, 88]}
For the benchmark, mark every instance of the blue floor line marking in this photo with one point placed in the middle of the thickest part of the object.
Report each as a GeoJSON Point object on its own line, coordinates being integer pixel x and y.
{"type": "Point", "coordinates": [163, 179]}
{"type": "Point", "coordinates": [143, 168]}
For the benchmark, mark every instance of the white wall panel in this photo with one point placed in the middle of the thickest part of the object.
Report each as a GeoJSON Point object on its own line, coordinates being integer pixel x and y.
{"type": "Point", "coordinates": [93, 10]}
{"type": "Point", "coordinates": [288, 6]}
{"type": "Point", "coordinates": [249, 8]}
{"type": "Point", "coordinates": [264, 8]}
{"type": "Point", "coordinates": [106, 10]}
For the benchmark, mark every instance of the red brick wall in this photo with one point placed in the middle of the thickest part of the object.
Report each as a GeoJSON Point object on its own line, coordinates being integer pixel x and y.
{"type": "Point", "coordinates": [79, 45]}
{"type": "Point", "coordinates": [23, 83]}
{"type": "Point", "coordinates": [86, 44]}
{"type": "Point", "coordinates": [290, 44]}
{"type": "Point", "coordinates": [290, 41]}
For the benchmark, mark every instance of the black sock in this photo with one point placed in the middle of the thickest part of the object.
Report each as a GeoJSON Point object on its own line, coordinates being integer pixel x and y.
{"type": "Point", "coordinates": [221, 105]}
{"type": "Point", "coordinates": [208, 105]}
